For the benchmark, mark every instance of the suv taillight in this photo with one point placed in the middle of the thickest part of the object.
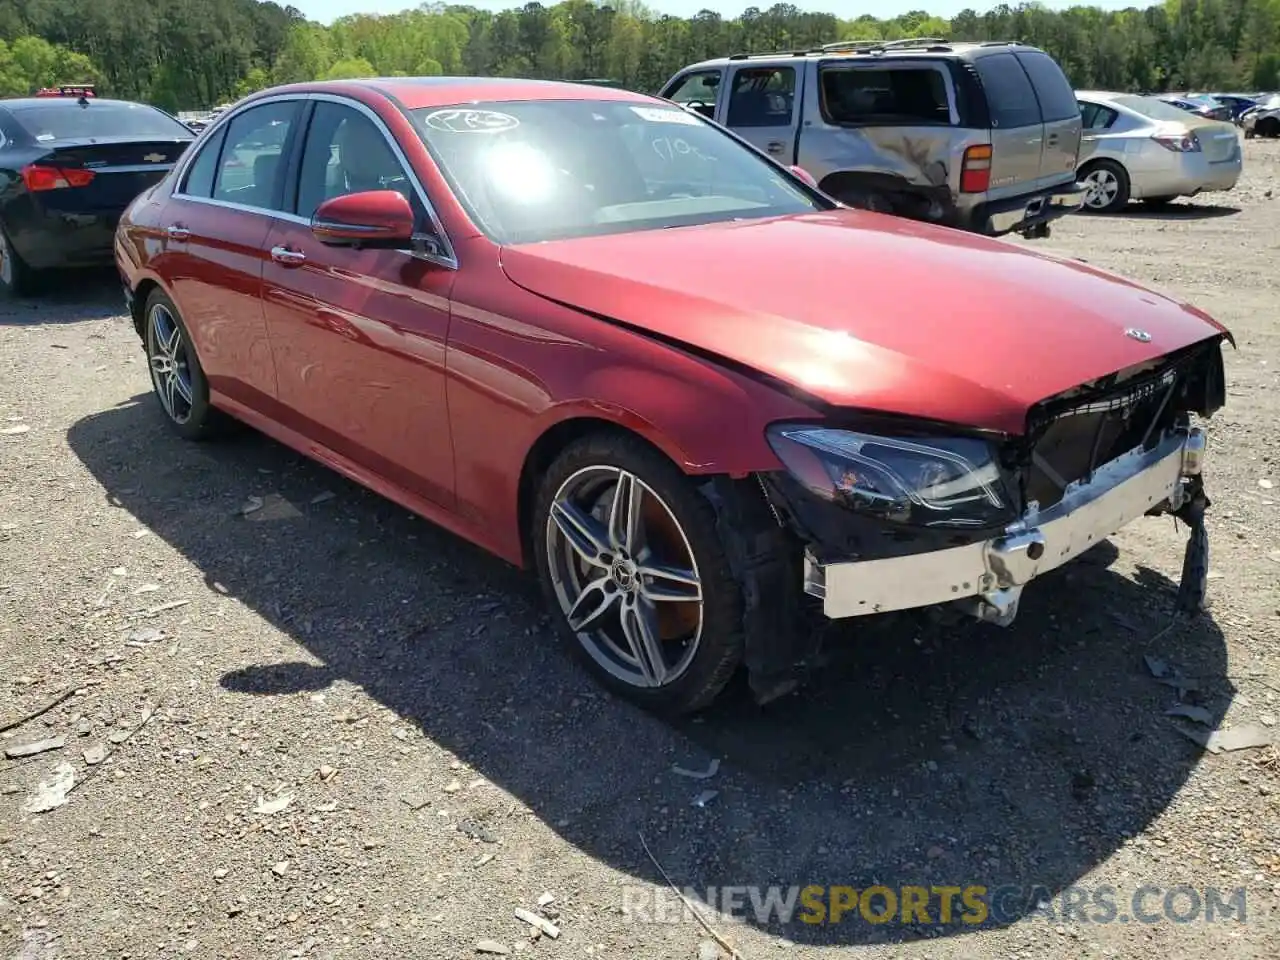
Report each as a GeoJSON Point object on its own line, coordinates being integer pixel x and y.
{"type": "Point", "coordinates": [38, 178]}
{"type": "Point", "coordinates": [975, 170]}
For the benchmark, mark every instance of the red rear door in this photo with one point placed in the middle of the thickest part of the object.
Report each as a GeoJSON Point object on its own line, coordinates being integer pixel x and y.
{"type": "Point", "coordinates": [359, 335]}
{"type": "Point", "coordinates": [215, 233]}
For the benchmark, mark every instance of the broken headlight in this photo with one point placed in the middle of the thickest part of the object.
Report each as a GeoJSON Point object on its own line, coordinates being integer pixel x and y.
{"type": "Point", "coordinates": [947, 482]}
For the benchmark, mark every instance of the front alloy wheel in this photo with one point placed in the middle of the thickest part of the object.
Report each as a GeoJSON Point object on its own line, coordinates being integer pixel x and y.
{"type": "Point", "coordinates": [170, 368]}
{"type": "Point", "coordinates": [625, 576]}
{"type": "Point", "coordinates": [630, 561]}
{"type": "Point", "coordinates": [176, 374]}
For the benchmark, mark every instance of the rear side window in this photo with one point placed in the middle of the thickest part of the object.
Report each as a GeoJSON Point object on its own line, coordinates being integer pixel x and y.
{"type": "Point", "coordinates": [199, 181]}
{"type": "Point", "coordinates": [762, 97]}
{"type": "Point", "coordinates": [905, 96]}
{"type": "Point", "coordinates": [1057, 99]}
{"type": "Point", "coordinates": [1095, 116]}
{"type": "Point", "coordinates": [1011, 99]}
{"type": "Point", "coordinates": [98, 120]}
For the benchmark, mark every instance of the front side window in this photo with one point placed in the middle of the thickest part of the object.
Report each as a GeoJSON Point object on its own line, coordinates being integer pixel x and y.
{"type": "Point", "coordinates": [538, 170]}
{"type": "Point", "coordinates": [762, 97]}
{"type": "Point", "coordinates": [251, 167]}
{"type": "Point", "coordinates": [892, 95]}
{"type": "Point", "coordinates": [346, 153]}
{"type": "Point", "coordinates": [697, 88]}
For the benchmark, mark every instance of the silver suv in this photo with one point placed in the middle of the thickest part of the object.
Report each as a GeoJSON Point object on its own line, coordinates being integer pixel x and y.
{"type": "Point", "coordinates": [982, 136]}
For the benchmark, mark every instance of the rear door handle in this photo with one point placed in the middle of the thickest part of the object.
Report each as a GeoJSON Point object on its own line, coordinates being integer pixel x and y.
{"type": "Point", "coordinates": [775, 146]}
{"type": "Point", "coordinates": [290, 258]}
{"type": "Point", "coordinates": [176, 232]}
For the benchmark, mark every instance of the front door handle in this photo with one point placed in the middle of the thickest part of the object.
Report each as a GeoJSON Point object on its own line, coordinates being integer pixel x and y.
{"type": "Point", "coordinates": [290, 258]}
{"type": "Point", "coordinates": [176, 232]}
{"type": "Point", "coordinates": [775, 146]}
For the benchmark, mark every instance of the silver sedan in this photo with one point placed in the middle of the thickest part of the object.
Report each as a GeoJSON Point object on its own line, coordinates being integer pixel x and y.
{"type": "Point", "coordinates": [1140, 148]}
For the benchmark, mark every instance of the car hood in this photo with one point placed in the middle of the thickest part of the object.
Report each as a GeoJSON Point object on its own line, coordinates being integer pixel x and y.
{"type": "Point", "coordinates": [868, 311]}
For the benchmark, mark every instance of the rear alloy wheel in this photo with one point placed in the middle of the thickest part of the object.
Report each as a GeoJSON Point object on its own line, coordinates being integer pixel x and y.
{"type": "Point", "coordinates": [16, 278]}
{"type": "Point", "coordinates": [631, 564]}
{"type": "Point", "coordinates": [1106, 187]}
{"type": "Point", "coordinates": [176, 374]}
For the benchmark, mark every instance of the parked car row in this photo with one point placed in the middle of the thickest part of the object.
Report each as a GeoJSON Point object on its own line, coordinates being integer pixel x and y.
{"type": "Point", "coordinates": [610, 341]}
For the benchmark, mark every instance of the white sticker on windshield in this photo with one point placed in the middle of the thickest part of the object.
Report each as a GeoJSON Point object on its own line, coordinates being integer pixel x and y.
{"type": "Point", "coordinates": [471, 120]}
{"type": "Point", "coordinates": [663, 115]}
{"type": "Point", "coordinates": [45, 136]}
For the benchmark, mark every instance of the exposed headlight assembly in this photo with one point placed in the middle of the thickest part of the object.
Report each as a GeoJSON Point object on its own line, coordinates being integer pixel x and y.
{"type": "Point", "coordinates": [933, 482]}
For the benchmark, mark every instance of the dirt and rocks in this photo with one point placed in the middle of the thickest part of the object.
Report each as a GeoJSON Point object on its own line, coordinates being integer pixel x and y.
{"type": "Point", "coordinates": [290, 720]}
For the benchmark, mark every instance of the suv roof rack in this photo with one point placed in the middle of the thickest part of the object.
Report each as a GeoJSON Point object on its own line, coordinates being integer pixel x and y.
{"type": "Point", "coordinates": [859, 45]}
{"type": "Point", "coordinates": [937, 44]}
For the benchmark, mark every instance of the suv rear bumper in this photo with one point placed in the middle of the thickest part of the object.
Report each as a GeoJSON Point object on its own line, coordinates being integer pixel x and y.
{"type": "Point", "coordinates": [1019, 213]}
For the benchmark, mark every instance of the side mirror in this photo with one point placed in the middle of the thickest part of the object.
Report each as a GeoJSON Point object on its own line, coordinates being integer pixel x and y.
{"type": "Point", "coordinates": [804, 175]}
{"type": "Point", "coordinates": [374, 218]}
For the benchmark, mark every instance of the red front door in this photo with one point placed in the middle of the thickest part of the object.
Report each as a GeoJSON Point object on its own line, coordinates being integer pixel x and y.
{"type": "Point", "coordinates": [358, 336]}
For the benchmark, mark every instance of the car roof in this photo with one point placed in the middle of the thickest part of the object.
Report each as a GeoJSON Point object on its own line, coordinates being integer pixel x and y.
{"type": "Point", "coordinates": [413, 93]}
{"type": "Point", "coordinates": [860, 50]}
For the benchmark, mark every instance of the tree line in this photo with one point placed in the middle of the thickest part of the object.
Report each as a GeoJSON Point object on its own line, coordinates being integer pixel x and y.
{"type": "Point", "coordinates": [193, 54]}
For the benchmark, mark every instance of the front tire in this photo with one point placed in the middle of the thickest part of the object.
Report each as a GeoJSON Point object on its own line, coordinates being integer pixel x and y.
{"type": "Point", "coordinates": [1268, 127]}
{"type": "Point", "coordinates": [1107, 185]}
{"type": "Point", "coordinates": [637, 580]}
{"type": "Point", "coordinates": [176, 375]}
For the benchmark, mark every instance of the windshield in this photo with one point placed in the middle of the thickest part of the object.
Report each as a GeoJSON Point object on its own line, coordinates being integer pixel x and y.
{"type": "Point", "coordinates": [538, 170]}
{"type": "Point", "coordinates": [1153, 108]}
{"type": "Point", "coordinates": [98, 120]}
{"type": "Point", "coordinates": [1271, 102]}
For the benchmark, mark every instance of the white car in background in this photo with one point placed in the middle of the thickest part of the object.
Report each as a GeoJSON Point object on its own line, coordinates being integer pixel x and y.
{"type": "Point", "coordinates": [1140, 148]}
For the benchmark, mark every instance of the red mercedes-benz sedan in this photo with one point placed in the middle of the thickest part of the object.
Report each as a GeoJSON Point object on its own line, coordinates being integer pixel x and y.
{"type": "Point", "coordinates": [603, 337]}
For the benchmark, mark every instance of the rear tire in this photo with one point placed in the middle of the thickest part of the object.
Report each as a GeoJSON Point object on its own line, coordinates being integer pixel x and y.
{"type": "Point", "coordinates": [16, 278]}
{"type": "Point", "coordinates": [1108, 187]}
{"type": "Point", "coordinates": [176, 375]}
{"type": "Point", "coordinates": [1268, 127]}
{"type": "Point", "coordinates": [669, 644]}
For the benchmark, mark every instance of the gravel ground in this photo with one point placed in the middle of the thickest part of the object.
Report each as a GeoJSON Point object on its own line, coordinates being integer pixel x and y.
{"type": "Point", "coordinates": [326, 729]}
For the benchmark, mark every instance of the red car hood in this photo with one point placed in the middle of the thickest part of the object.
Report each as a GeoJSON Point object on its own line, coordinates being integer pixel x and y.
{"type": "Point", "coordinates": [869, 311]}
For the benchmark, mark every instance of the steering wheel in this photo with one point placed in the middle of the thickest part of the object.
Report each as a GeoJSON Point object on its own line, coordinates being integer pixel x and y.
{"type": "Point", "coordinates": [706, 109]}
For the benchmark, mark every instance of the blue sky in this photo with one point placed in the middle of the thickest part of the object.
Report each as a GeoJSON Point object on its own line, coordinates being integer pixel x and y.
{"type": "Point", "coordinates": [328, 10]}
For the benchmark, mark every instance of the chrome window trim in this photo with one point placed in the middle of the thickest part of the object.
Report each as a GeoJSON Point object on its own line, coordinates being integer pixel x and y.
{"type": "Point", "coordinates": [447, 259]}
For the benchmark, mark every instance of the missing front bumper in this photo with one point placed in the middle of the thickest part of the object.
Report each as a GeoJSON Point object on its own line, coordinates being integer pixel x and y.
{"type": "Point", "coordinates": [989, 576]}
